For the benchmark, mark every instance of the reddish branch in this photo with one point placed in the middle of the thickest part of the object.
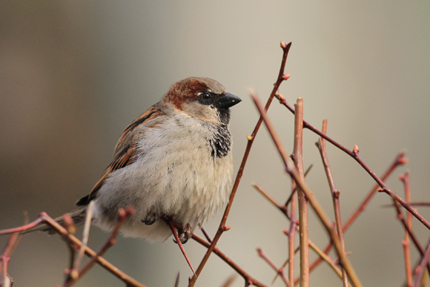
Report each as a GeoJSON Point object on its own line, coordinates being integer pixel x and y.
{"type": "Point", "coordinates": [281, 77]}
{"type": "Point", "coordinates": [44, 218]}
{"type": "Point", "coordinates": [315, 205]}
{"type": "Point", "coordinates": [320, 253]}
{"type": "Point", "coordinates": [279, 271]}
{"type": "Point", "coordinates": [123, 215]}
{"type": "Point", "coordinates": [354, 154]}
{"type": "Point", "coordinates": [302, 202]}
{"type": "Point", "coordinates": [181, 247]}
{"type": "Point", "coordinates": [334, 193]}
{"type": "Point", "coordinates": [73, 270]}
{"type": "Point", "coordinates": [248, 278]}
{"type": "Point", "coordinates": [398, 161]}
{"type": "Point", "coordinates": [5, 257]}
{"type": "Point", "coordinates": [405, 179]}
{"type": "Point", "coordinates": [291, 234]}
{"type": "Point", "coordinates": [419, 270]}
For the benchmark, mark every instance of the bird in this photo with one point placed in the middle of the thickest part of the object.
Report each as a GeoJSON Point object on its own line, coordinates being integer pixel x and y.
{"type": "Point", "coordinates": [173, 161]}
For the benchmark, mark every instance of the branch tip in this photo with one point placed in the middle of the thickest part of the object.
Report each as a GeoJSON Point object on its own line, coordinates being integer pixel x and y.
{"type": "Point", "coordinates": [403, 160]}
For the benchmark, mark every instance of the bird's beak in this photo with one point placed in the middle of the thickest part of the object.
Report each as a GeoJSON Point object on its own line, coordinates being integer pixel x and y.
{"type": "Point", "coordinates": [228, 100]}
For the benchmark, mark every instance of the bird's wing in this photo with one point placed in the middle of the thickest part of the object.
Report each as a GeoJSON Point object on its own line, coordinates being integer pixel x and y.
{"type": "Point", "coordinates": [124, 153]}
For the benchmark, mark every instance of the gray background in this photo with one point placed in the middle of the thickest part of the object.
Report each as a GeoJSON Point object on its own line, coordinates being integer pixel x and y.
{"type": "Point", "coordinates": [73, 74]}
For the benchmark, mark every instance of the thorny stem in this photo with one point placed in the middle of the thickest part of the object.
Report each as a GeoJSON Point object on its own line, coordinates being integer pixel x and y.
{"type": "Point", "coordinates": [315, 205]}
{"type": "Point", "coordinates": [334, 192]}
{"type": "Point", "coordinates": [303, 204]}
{"type": "Point", "coordinates": [281, 77]}
{"type": "Point", "coordinates": [354, 154]}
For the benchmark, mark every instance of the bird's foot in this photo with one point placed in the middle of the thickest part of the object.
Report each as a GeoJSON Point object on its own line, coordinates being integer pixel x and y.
{"type": "Point", "coordinates": [150, 218]}
{"type": "Point", "coordinates": [185, 233]}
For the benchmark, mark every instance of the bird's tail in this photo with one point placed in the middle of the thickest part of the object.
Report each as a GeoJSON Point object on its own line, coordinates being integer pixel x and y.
{"type": "Point", "coordinates": [78, 217]}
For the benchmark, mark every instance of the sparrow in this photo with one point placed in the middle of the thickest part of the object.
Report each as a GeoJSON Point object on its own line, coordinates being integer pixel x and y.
{"type": "Point", "coordinates": [173, 161]}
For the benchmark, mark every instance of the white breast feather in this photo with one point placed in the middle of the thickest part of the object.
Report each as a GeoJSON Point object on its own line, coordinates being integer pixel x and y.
{"type": "Point", "coordinates": [175, 175]}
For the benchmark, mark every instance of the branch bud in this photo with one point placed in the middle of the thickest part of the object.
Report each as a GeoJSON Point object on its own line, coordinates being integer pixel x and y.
{"type": "Point", "coordinates": [286, 76]}
{"type": "Point", "coordinates": [226, 228]}
{"type": "Point", "coordinates": [402, 160]}
{"type": "Point", "coordinates": [283, 45]}
{"type": "Point", "coordinates": [356, 150]}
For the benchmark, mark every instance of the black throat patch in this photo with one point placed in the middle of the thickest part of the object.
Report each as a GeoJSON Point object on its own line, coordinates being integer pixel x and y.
{"type": "Point", "coordinates": [220, 143]}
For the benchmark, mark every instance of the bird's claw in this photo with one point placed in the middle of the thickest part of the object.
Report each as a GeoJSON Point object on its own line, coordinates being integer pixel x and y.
{"type": "Point", "coordinates": [150, 218]}
{"type": "Point", "coordinates": [184, 234]}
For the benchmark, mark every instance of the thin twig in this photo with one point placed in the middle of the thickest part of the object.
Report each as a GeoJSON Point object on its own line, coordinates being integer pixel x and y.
{"type": "Point", "coordinates": [123, 215]}
{"type": "Point", "coordinates": [74, 273]}
{"type": "Point", "coordinates": [248, 278]}
{"type": "Point", "coordinates": [230, 280]}
{"type": "Point", "coordinates": [205, 233]}
{"type": "Point", "coordinates": [281, 77]}
{"type": "Point", "coordinates": [354, 154]}
{"type": "Point", "coordinates": [291, 235]}
{"type": "Point", "coordinates": [177, 280]}
{"type": "Point", "coordinates": [419, 270]}
{"type": "Point", "coordinates": [45, 218]}
{"type": "Point", "coordinates": [334, 192]}
{"type": "Point", "coordinates": [22, 228]}
{"type": "Point", "coordinates": [324, 256]}
{"type": "Point", "coordinates": [280, 271]}
{"type": "Point", "coordinates": [5, 258]}
{"type": "Point", "coordinates": [269, 198]}
{"type": "Point", "coordinates": [302, 202]}
{"type": "Point", "coordinates": [315, 205]}
{"type": "Point", "coordinates": [398, 161]}
{"type": "Point", "coordinates": [69, 225]}
{"type": "Point", "coordinates": [181, 247]}
{"type": "Point", "coordinates": [406, 242]}
{"type": "Point", "coordinates": [293, 190]}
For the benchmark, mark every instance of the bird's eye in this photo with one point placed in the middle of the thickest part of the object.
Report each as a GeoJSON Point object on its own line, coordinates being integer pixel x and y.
{"type": "Point", "coordinates": [206, 97]}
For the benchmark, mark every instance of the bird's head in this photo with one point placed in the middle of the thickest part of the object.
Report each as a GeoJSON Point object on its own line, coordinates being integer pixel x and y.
{"type": "Point", "coordinates": [202, 98]}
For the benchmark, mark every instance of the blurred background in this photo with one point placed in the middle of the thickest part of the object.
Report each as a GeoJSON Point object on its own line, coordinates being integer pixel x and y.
{"type": "Point", "coordinates": [74, 74]}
